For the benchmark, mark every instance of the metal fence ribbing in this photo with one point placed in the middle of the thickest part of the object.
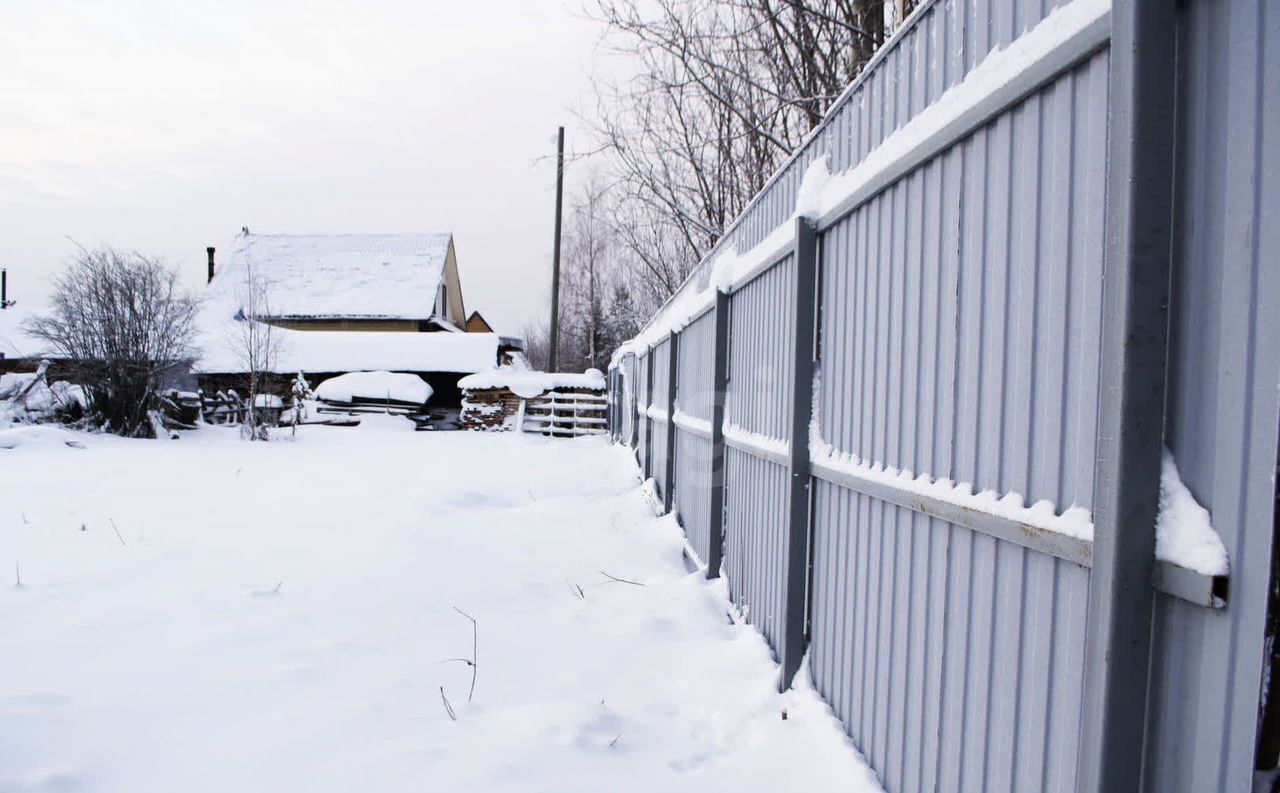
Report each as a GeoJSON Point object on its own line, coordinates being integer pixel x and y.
{"type": "Point", "coordinates": [961, 309]}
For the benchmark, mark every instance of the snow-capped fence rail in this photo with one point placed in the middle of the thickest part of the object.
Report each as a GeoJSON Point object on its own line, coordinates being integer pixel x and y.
{"type": "Point", "coordinates": [221, 408]}
{"type": "Point", "coordinates": [913, 406]}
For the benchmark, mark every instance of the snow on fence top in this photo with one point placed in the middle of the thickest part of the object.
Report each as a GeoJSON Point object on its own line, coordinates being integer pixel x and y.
{"type": "Point", "coordinates": [375, 385]}
{"type": "Point", "coordinates": [328, 276]}
{"type": "Point", "coordinates": [348, 351]}
{"type": "Point", "coordinates": [527, 384]}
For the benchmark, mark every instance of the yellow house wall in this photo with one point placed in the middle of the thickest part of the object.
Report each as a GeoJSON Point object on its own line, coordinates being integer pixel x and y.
{"type": "Point", "coordinates": [455, 312]}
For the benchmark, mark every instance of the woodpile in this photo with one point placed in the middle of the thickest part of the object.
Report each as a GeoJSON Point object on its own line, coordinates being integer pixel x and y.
{"type": "Point", "coordinates": [418, 414]}
{"type": "Point", "coordinates": [488, 408]}
{"type": "Point", "coordinates": [563, 411]}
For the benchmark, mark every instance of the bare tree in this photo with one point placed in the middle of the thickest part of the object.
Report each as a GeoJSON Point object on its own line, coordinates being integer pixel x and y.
{"type": "Point", "coordinates": [598, 311]}
{"type": "Point", "coordinates": [256, 344]}
{"type": "Point", "coordinates": [121, 323]}
{"type": "Point", "coordinates": [588, 247]}
{"type": "Point", "coordinates": [537, 345]}
{"type": "Point", "coordinates": [725, 91]}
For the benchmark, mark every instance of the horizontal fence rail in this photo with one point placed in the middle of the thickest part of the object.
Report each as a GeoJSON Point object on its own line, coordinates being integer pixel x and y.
{"type": "Point", "coordinates": [882, 422]}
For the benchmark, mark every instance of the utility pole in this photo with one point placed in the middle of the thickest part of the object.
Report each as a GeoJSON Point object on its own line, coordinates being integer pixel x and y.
{"type": "Point", "coordinates": [555, 256]}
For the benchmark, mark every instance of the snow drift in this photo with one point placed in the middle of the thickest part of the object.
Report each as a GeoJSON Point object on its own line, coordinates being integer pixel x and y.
{"type": "Point", "coordinates": [375, 386]}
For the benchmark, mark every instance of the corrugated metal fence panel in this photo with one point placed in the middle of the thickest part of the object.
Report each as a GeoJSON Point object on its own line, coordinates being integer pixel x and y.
{"type": "Point", "coordinates": [697, 361]}
{"type": "Point", "coordinates": [755, 540]}
{"type": "Point", "coordinates": [761, 349]}
{"type": "Point", "coordinates": [692, 501]}
{"type": "Point", "coordinates": [960, 338]}
{"type": "Point", "coordinates": [1224, 366]}
{"type": "Point", "coordinates": [757, 399]}
{"type": "Point", "coordinates": [645, 423]}
{"type": "Point", "coordinates": [694, 395]}
{"type": "Point", "coordinates": [961, 309]}
{"type": "Point", "coordinates": [660, 360]}
{"type": "Point", "coordinates": [954, 660]}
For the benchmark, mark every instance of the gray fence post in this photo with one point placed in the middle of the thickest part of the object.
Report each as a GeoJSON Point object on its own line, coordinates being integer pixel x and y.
{"type": "Point", "coordinates": [1130, 433]}
{"type": "Point", "coordinates": [805, 335]}
{"type": "Point", "coordinates": [617, 406]}
{"type": "Point", "coordinates": [611, 388]}
{"type": "Point", "coordinates": [648, 422]}
{"type": "Point", "coordinates": [634, 439]}
{"type": "Point", "coordinates": [719, 383]}
{"type": "Point", "coordinates": [673, 366]}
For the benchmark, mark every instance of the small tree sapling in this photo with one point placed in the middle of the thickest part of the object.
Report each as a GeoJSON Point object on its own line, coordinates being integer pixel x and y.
{"type": "Point", "coordinates": [256, 344]}
{"type": "Point", "coordinates": [301, 390]}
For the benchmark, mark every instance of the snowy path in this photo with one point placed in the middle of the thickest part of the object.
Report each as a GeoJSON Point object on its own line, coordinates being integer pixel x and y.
{"type": "Point", "coordinates": [173, 662]}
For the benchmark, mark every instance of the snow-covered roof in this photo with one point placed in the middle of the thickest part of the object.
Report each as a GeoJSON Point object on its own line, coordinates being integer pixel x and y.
{"type": "Point", "coordinates": [332, 276]}
{"type": "Point", "coordinates": [526, 383]}
{"type": "Point", "coordinates": [355, 351]}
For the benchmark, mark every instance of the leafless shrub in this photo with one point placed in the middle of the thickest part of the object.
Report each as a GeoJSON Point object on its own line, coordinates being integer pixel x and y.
{"type": "Point", "coordinates": [256, 345]}
{"type": "Point", "coordinates": [121, 323]}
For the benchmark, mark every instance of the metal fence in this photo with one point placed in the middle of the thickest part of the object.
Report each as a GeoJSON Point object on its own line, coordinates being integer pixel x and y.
{"type": "Point", "coordinates": [1001, 300]}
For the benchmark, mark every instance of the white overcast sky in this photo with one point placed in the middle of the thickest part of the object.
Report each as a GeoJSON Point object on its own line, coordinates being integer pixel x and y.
{"type": "Point", "coordinates": [164, 127]}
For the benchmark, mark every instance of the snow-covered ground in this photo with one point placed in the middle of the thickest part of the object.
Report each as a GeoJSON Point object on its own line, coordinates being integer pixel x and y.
{"type": "Point", "coordinates": [210, 614]}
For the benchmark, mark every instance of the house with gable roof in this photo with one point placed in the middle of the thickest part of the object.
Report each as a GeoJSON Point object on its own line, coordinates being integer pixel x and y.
{"type": "Point", "coordinates": [342, 303]}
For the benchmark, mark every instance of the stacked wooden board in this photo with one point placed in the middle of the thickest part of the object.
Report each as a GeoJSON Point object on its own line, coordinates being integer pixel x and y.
{"type": "Point", "coordinates": [567, 412]}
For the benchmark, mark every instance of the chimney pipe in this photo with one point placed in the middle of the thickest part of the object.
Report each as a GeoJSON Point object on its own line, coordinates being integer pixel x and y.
{"type": "Point", "coordinates": [210, 252]}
